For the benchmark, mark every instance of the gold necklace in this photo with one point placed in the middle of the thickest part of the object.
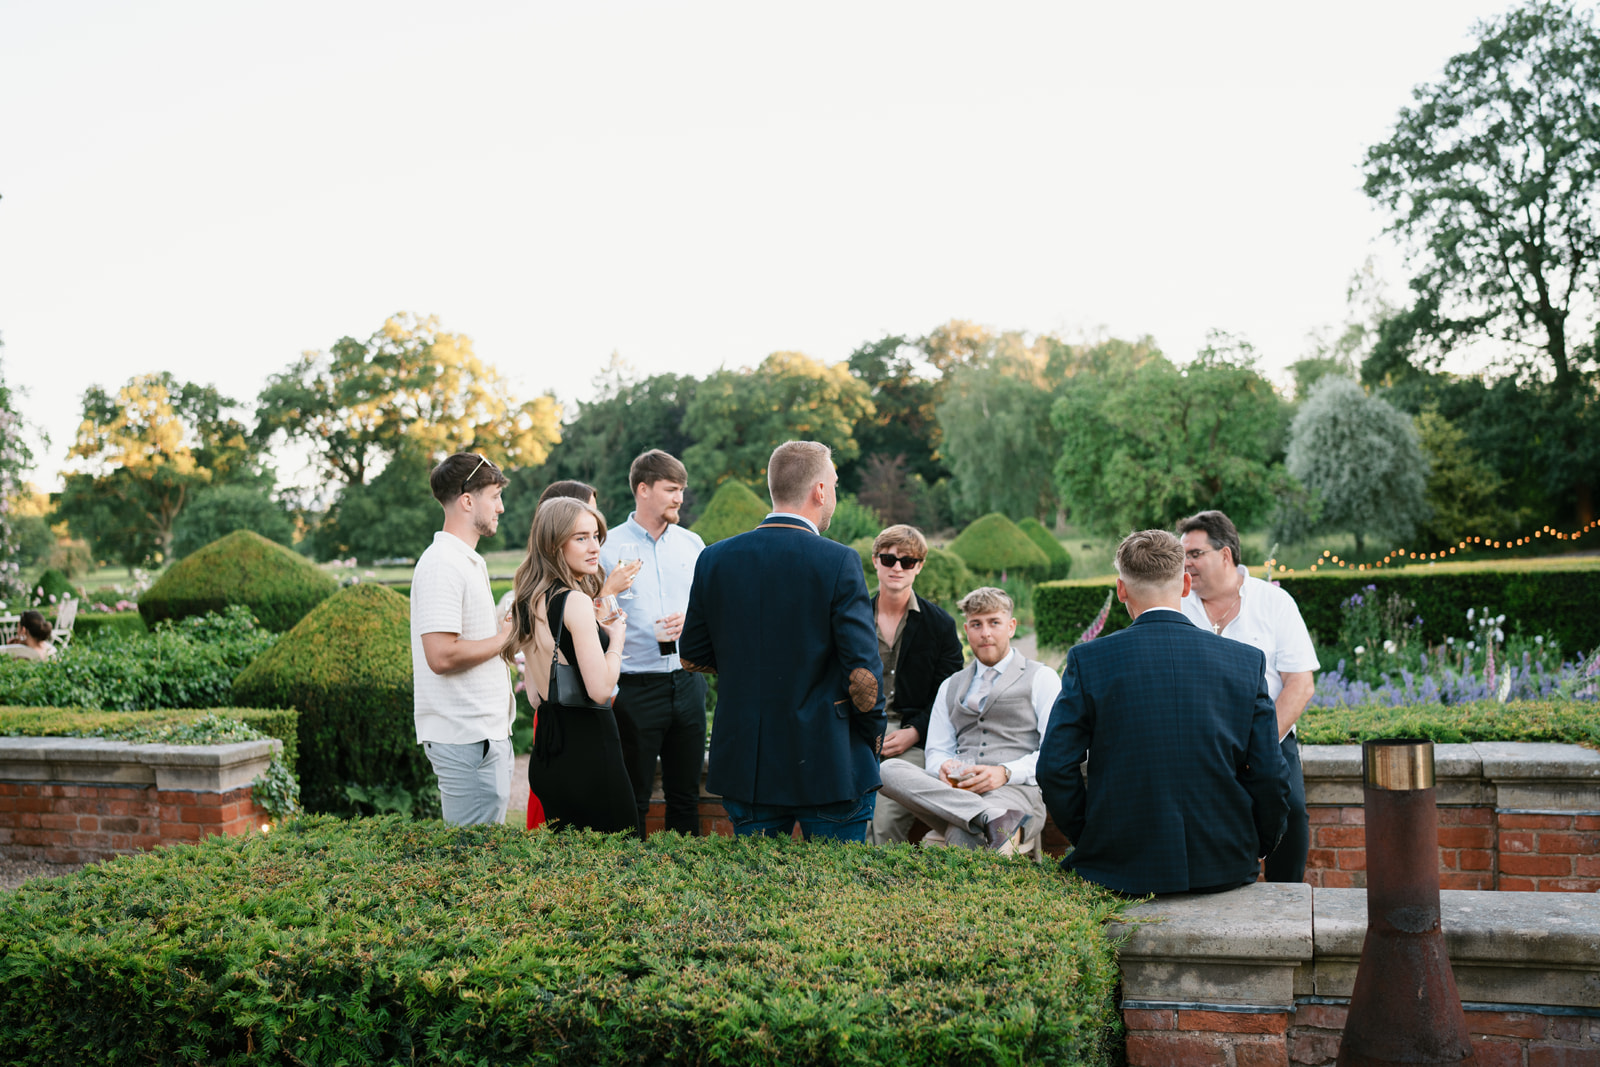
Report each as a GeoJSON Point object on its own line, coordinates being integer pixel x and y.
{"type": "Point", "coordinates": [1238, 600]}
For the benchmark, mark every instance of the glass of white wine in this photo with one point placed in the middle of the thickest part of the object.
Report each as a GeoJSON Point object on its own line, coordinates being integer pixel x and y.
{"type": "Point", "coordinates": [628, 555]}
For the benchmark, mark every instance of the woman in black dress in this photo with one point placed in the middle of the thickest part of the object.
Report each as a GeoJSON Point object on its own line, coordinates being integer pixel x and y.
{"type": "Point", "coordinates": [576, 769]}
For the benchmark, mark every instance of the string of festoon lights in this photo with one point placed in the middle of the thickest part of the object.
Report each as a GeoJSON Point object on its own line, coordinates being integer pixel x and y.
{"type": "Point", "coordinates": [1402, 557]}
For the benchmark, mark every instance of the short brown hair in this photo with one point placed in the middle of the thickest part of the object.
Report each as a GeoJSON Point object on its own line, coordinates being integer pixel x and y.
{"type": "Point", "coordinates": [794, 468]}
{"type": "Point", "coordinates": [567, 489]}
{"type": "Point", "coordinates": [901, 536]}
{"type": "Point", "coordinates": [1218, 528]}
{"type": "Point", "coordinates": [464, 472]}
{"type": "Point", "coordinates": [986, 600]}
{"type": "Point", "coordinates": [1150, 559]}
{"type": "Point", "coordinates": [656, 466]}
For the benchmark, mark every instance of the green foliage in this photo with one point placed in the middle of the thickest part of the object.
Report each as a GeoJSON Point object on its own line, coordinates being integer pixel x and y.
{"type": "Point", "coordinates": [852, 520]}
{"type": "Point", "coordinates": [737, 418]}
{"type": "Point", "coordinates": [734, 509]}
{"type": "Point", "coordinates": [1485, 720]}
{"type": "Point", "coordinates": [346, 667]}
{"type": "Point", "coordinates": [394, 516]}
{"type": "Point", "coordinates": [188, 664]}
{"type": "Point", "coordinates": [52, 588]}
{"type": "Point", "coordinates": [92, 626]}
{"type": "Point", "coordinates": [145, 725]}
{"type": "Point", "coordinates": [904, 423]}
{"type": "Point", "coordinates": [15, 459]}
{"type": "Point", "coordinates": [1360, 460]}
{"type": "Point", "coordinates": [1060, 559]}
{"type": "Point", "coordinates": [993, 545]}
{"type": "Point", "coordinates": [385, 941]}
{"type": "Point", "coordinates": [1463, 490]}
{"type": "Point", "coordinates": [1144, 443]}
{"type": "Point", "coordinates": [1063, 610]}
{"type": "Point", "coordinates": [34, 539]}
{"type": "Point", "coordinates": [220, 510]}
{"type": "Point", "coordinates": [276, 584]}
{"type": "Point", "coordinates": [945, 578]}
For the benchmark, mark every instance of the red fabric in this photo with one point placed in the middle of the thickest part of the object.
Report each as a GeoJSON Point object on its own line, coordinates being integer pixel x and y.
{"type": "Point", "coordinates": [535, 808]}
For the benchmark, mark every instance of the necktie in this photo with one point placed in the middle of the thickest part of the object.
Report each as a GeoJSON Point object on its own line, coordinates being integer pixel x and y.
{"type": "Point", "coordinates": [980, 689]}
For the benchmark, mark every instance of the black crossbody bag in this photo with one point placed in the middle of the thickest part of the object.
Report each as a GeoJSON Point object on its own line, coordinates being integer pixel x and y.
{"type": "Point", "coordinates": [566, 683]}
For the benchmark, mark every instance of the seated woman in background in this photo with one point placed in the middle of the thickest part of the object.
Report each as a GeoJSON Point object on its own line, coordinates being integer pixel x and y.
{"type": "Point", "coordinates": [576, 769]}
{"type": "Point", "coordinates": [33, 634]}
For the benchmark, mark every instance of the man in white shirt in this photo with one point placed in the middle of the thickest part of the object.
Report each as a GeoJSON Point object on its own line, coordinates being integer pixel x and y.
{"type": "Point", "coordinates": [463, 700]}
{"type": "Point", "coordinates": [978, 787]}
{"type": "Point", "coordinates": [1225, 600]}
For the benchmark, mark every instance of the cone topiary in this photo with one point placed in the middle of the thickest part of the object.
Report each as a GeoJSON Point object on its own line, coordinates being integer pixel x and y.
{"type": "Point", "coordinates": [993, 546]}
{"type": "Point", "coordinates": [346, 667]}
{"type": "Point", "coordinates": [276, 584]}
{"type": "Point", "coordinates": [734, 509]}
{"type": "Point", "coordinates": [1060, 559]}
{"type": "Point", "coordinates": [52, 588]}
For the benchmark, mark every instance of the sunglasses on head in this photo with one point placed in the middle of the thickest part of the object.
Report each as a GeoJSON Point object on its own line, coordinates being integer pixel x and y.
{"type": "Point", "coordinates": [481, 461]}
{"type": "Point", "coordinates": [889, 559]}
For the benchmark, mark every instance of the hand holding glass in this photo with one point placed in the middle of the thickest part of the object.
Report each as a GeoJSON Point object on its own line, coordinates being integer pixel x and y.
{"type": "Point", "coordinates": [629, 555]}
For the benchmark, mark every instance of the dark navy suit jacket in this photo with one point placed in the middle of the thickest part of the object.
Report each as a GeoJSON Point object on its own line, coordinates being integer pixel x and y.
{"type": "Point", "coordinates": [1187, 786]}
{"type": "Point", "coordinates": [781, 615]}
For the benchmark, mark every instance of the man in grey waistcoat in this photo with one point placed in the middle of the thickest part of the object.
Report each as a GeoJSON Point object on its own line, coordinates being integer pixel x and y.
{"type": "Point", "coordinates": [978, 788]}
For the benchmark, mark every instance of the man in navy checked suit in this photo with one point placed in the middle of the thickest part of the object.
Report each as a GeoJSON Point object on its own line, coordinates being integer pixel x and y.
{"type": "Point", "coordinates": [782, 616]}
{"type": "Point", "coordinates": [1187, 788]}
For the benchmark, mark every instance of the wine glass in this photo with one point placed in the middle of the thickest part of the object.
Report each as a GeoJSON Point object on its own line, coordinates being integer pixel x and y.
{"type": "Point", "coordinates": [628, 554]}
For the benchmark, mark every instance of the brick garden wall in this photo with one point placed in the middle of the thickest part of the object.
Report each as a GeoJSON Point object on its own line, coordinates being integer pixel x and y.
{"type": "Point", "coordinates": [63, 823]}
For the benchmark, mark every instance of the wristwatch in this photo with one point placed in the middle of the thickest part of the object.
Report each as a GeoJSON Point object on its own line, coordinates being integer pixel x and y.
{"type": "Point", "coordinates": [1003, 767]}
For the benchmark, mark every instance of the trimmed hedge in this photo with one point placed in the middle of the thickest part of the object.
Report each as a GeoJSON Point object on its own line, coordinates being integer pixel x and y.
{"type": "Point", "coordinates": [76, 722]}
{"type": "Point", "coordinates": [1560, 603]}
{"type": "Point", "coordinates": [993, 544]}
{"type": "Point", "coordinates": [91, 626]}
{"type": "Point", "coordinates": [1485, 720]}
{"type": "Point", "coordinates": [385, 941]}
{"type": "Point", "coordinates": [277, 584]}
{"type": "Point", "coordinates": [1054, 551]}
{"type": "Point", "coordinates": [734, 509]}
{"type": "Point", "coordinates": [346, 667]}
{"type": "Point", "coordinates": [52, 587]}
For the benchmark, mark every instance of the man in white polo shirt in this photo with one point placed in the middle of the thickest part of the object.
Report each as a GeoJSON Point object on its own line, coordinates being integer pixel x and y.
{"type": "Point", "coordinates": [464, 705]}
{"type": "Point", "coordinates": [1226, 600]}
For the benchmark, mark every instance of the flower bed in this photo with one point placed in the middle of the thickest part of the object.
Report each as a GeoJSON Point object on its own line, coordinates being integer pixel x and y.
{"type": "Point", "coordinates": [380, 941]}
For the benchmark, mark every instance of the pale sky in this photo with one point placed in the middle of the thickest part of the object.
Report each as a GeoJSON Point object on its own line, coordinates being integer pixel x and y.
{"type": "Point", "coordinates": [212, 188]}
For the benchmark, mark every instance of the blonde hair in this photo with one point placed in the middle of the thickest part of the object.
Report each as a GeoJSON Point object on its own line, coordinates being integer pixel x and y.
{"type": "Point", "coordinates": [986, 600]}
{"type": "Point", "coordinates": [902, 536]}
{"type": "Point", "coordinates": [794, 468]}
{"type": "Point", "coordinates": [545, 566]}
{"type": "Point", "coordinates": [1150, 560]}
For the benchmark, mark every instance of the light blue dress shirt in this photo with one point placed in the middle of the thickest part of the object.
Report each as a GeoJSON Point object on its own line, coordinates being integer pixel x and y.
{"type": "Point", "coordinates": [660, 588]}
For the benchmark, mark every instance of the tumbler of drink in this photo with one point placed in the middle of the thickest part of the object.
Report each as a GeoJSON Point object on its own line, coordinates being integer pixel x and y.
{"type": "Point", "coordinates": [962, 771]}
{"type": "Point", "coordinates": [666, 644]}
{"type": "Point", "coordinates": [606, 608]}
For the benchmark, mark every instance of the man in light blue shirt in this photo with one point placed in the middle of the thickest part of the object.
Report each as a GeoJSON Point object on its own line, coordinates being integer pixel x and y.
{"type": "Point", "coordinates": [660, 707]}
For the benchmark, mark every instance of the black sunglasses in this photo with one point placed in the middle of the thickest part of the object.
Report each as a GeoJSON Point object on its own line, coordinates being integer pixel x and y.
{"type": "Point", "coordinates": [889, 559]}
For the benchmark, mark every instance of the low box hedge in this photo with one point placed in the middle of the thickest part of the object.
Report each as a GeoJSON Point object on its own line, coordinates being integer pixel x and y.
{"type": "Point", "coordinates": [92, 625]}
{"type": "Point", "coordinates": [387, 941]}
{"type": "Point", "coordinates": [1547, 600]}
{"type": "Point", "coordinates": [1562, 721]}
{"type": "Point", "coordinates": [77, 722]}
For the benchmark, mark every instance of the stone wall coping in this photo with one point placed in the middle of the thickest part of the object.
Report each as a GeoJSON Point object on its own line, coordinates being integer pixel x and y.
{"type": "Point", "coordinates": [1533, 759]}
{"type": "Point", "coordinates": [1543, 929]}
{"type": "Point", "coordinates": [195, 768]}
{"type": "Point", "coordinates": [1519, 762]}
{"type": "Point", "coordinates": [1263, 921]}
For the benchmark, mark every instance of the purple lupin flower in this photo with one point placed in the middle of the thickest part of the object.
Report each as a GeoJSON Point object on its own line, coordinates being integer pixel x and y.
{"type": "Point", "coordinates": [1099, 620]}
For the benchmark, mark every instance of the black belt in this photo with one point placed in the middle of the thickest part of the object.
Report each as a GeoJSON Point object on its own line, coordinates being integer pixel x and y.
{"type": "Point", "coordinates": [644, 678]}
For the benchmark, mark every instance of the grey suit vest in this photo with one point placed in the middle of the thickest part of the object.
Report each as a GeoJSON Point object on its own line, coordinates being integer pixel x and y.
{"type": "Point", "coordinates": [1007, 727]}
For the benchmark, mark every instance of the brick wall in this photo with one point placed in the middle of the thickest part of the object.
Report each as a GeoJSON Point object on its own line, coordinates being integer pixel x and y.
{"type": "Point", "coordinates": [1479, 848]}
{"type": "Point", "coordinates": [1311, 1034]}
{"type": "Point", "coordinates": [64, 823]}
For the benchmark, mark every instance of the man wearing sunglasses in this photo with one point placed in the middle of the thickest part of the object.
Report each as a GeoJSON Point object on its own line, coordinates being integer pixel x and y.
{"type": "Point", "coordinates": [461, 689]}
{"type": "Point", "coordinates": [919, 647]}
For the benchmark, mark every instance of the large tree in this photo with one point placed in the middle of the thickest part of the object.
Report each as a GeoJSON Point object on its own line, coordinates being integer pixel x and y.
{"type": "Point", "coordinates": [15, 459]}
{"type": "Point", "coordinates": [738, 417]}
{"type": "Point", "coordinates": [1361, 461]}
{"type": "Point", "coordinates": [1492, 177]}
{"type": "Point", "coordinates": [410, 383]}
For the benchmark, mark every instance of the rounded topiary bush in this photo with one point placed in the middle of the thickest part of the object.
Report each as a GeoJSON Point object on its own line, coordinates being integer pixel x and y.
{"type": "Point", "coordinates": [1054, 551]}
{"type": "Point", "coordinates": [993, 545]}
{"type": "Point", "coordinates": [734, 509]}
{"type": "Point", "coordinates": [52, 588]}
{"type": "Point", "coordinates": [276, 584]}
{"type": "Point", "coordinates": [346, 668]}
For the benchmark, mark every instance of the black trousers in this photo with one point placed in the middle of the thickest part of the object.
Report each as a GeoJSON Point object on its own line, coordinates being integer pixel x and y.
{"type": "Point", "coordinates": [664, 716]}
{"type": "Point", "coordinates": [1287, 862]}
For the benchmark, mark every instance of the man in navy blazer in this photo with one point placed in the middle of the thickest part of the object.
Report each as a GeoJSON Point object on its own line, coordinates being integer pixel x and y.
{"type": "Point", "coordinates": [1187, 787]}
{"type": "Point", "coordinates": [781, 615]}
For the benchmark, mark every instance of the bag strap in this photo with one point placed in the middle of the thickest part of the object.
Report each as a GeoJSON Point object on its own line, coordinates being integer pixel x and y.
{"type": "Point", "coordinates": [557, 623]}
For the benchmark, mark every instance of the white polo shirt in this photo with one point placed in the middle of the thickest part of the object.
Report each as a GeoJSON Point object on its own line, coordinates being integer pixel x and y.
{"type": "Point", "coordinates": [450, 595]}
{"type": "Point", "coordinates": [1270, 620]}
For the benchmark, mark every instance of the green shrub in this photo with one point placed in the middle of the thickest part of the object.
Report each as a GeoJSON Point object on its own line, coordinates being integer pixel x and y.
{"type": "Point", "coordinates": [277, 585]}
{"type": "Point", "coordinates": [187, 664]}
{"type": "Point", "coordinates": [496, 589]}
{"type": "Point", "coordinates": [386, 941]}
{"type": "Point", "coordinates": [92, 626]}
{"type": "Point", "coordinates": [76, 722]}
{"type": "Point", "coordinates": [52, 588]}
{"type": "Point", "coordinates": [1485, 720]}
{"type": "Point", "coordinates": [1063, 610]}
{"type": "Point", "coordinates": [734, 509]}
{"type": "Point", "coordinates": [347, 669]}
{"type": "Point", "coordinates": [993, 545]}
{"type": "Point", "coordinates": [218, 511]}
{"type": "Point", "coordinates": [1060, 559]}
{"type": "Point", "coordinates": [852, 520]}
